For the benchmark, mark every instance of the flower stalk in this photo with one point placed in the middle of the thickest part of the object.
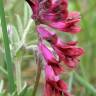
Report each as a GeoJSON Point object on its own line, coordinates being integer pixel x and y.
{"type": "Point", "coordinates": [39, 69]}
{"type": "Point", "coordinates": [18, 75]}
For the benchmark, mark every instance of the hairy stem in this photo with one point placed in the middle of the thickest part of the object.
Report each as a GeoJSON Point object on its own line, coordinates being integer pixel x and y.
{"type": "Point", "coordinates": [38, 62]}
{"type": "Point", "coordinates": [70, 82]}
{"type": "Point", "coordinates": [18, 75]}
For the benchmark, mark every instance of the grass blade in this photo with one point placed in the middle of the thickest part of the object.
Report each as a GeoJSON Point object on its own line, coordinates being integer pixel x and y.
{"type": "Point", "coordinates": [85, 83]}
{"type": "Point", "coordinates": [7, 48]}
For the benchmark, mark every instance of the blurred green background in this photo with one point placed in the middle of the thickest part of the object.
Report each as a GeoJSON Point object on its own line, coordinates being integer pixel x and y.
{"type": "Point", "coordinates": [23, 38]}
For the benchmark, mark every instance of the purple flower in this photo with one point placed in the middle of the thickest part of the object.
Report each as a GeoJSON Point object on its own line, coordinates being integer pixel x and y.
{"type": "Point", "coordinates": [56, 88]}
{"type": "Point", "coordinates": [68, 52]}
{"type": "Point", "coordinates": [53, 85]}
{"type": "Point", "coordinates": [68, 25]}
{"type": "Point", "coordinates": [55, 14]}
{"type": "Point", "coordinates": [50, 59]}
{"type": "Point", "coordinates": [46, 33]}
{"type": "Point", "coordinates": [34, 4]}
{"type": "Point", "coordinates": [50, 75]}
{"type": "Point", "coordinates": [53, 10]}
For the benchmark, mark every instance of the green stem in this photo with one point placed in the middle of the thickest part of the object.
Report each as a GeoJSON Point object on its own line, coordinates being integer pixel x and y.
{"type": "Point", "coordinates": [38, 61]}
{"type": "Point", "coordinates": [18, 75]}
{"type": "Point", "coordinates": [70, 82]}
{"type": "Point", "coordinates": [7, 48]}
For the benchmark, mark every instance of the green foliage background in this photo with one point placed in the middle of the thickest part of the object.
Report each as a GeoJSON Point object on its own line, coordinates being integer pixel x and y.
{"type": "Point", "coordinates": [23, 38]}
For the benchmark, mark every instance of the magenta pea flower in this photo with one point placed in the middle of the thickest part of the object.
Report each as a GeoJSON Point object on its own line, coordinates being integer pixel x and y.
{"type": "Point", "coordinates": [54, 10]}
{"type": "Point", "coordinates": [54, 13]}
{"type": "Point", "coordinates": [34, 4]}
{"type": "Point", "coordinates": [53, 88]}
{"type": "Point", "coordinates": [56, 88]}
{"type": "Point", "coordinates": [50, 75]}
{"type": "Point", "coordinates": [68, 25]}
{"type": "Point", "coordinates": [50, 59]}
{"type": "Point", "coordinates": [53, 85]}
{"type": "Point", "coordinates": [45, 33]}
{"type": "Point", "coordinates": [69, 53]}
{"type": "Point", "coordinates": [41, 9]}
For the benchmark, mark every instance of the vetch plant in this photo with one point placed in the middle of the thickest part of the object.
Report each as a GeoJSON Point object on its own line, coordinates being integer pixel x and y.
{"type": "Point", "coordinates": [54, 14]}
{"type": "Point", "coordinates": [39, 52]}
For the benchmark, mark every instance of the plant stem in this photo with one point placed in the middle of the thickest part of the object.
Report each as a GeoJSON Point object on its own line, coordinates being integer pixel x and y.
{"type": "Point", "coordinates": [18, 75]}
{"type": "Point", "coordinates": [70, 82]}
{"type": "Point", "coordinates": [7, 49]}
{"type": "Point", "coordinates": [38, 61]}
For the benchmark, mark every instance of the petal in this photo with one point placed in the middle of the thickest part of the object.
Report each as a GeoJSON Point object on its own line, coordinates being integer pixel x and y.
{"type": "Point", "coordinates": [59, 53]}
{"type": "Point", "coordinates": [58, 93]}
{"type": "Point", "coordinates": [74, 14]}
{"type": "Point", "coordinates": [48, 16]}
{"type": "Point", "coordinates": [58, 25]}
{"type": "Point", "coordinates": [46, 33]}
{"type": "Point", "coordinates": [58, 69]}
{"type": "Point", "coordinates": [34, 4]}
{"type": "Point", "coordinates": [67, 94]}
{"type": "Point", "coordinates": [75, 52]}
{"type": "Point", "coordinates": [68, 48]}
{"type": "Point", "coordinates": [71, 62]}
{"type": "Point", "coordinates": [50, 75]}
{"type": "Point", "coordinates": [47, 90]}
{"type": "Point", "coordinates": [66, 26]}
{"type": "Point", "coordinates": [69, 24]}
{"type": "Point", "coordinates": [53, 10]}
{"type": "Point", "coordinates": [51, 17]}
{"type": "Point", "coordinates": [62, 85]}
{"type": "Point", "coordinates": [49, 57]}
{"type": "Point", "coordinates": [68, 52]}
{"type": "Point", "coordinates": [72, 30]}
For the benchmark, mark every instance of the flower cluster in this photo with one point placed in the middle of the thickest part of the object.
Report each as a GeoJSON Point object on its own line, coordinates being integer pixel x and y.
{"type": "Point", "coordinates": [55, 14]}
